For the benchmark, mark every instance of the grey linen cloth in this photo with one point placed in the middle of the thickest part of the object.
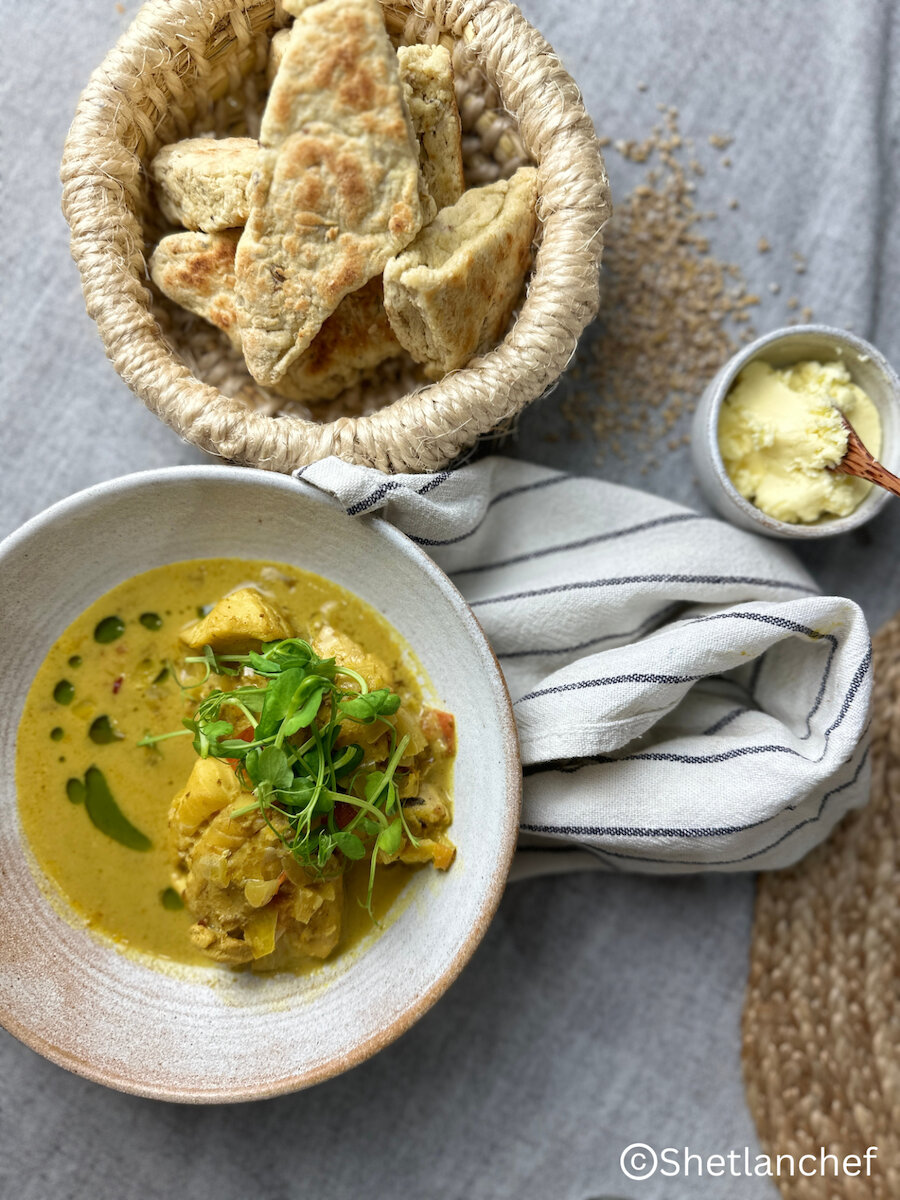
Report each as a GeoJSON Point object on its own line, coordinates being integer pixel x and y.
{"type": "Point", "coordinates": [685, 699]}
{"type": "Point", "coordinates": [601, 1009]}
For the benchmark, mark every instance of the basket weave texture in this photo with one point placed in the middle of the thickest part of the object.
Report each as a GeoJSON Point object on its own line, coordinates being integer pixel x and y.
{"type": "Point", "coordinates": [821, 1036]}
{"type": "Point", "coordinates": [187, 67]}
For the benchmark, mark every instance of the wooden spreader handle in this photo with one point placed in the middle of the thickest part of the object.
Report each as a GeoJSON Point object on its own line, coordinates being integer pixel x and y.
{"type": "Point", "coordinates": [858, 461]}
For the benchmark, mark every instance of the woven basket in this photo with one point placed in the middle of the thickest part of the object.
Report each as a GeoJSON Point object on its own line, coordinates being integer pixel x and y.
{"type": "Point", "coordinates": [187, 67]}
{"type": "Point", "coordinates": [821, 1030]}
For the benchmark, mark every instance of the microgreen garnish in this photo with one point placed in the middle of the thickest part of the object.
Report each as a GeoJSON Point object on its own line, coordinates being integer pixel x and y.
{"type": "Point", "coordinates": [290, 712]}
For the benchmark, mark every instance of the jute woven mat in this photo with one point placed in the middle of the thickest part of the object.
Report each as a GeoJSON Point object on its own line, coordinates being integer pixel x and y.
{"type": "Point", "coordinates": [821, 1030]}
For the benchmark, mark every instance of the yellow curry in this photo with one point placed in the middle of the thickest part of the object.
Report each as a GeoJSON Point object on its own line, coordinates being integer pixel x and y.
{"type": "Point", "coordinates": [233, 761]}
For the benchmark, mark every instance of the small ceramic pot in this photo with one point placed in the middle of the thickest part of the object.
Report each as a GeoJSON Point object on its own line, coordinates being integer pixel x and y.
{"type": "Point", "coordinates": [820, 343]}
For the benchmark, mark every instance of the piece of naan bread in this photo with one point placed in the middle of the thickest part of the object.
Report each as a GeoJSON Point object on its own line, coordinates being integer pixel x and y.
{"type": "Point", "coordinates": [426, 73]}
{"type": "Point", "coordinates": [336, 190]}
{"type": "Point", "coordinates": [203, 183]}
{"type": "Point", "coordinates": [196, 270]}
{"type": "Point", "coordinates": [356, 338]}
{"type": "Point", "coordinates": [449, 295]}
{"type": "Point", "coordinates": [277, 47]}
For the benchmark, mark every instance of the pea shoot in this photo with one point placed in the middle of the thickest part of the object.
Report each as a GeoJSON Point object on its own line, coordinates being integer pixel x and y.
{"type": "Point", "coordinates": [291, 713]}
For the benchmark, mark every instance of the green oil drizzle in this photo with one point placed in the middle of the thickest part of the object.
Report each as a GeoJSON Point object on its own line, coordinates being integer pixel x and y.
{"type": "Point", "coordinates": [151, 620]}
{"type": "Point", "coordinates": [103, 731]}
{"type": "Point", "coordinates": [57, 733]}
{"type": "Point", "coordinates": [109, 629]}
{"type": "Point", "coordinates": [76, 660]}
{"type": "Point", "coordinates": [64, 692]}
{"type": "Point", "coordinates": [75, 790]}
{"type": "Point", "coordinates": [170, 899]}
{"type": "Point", "coordinates": [103, 811]}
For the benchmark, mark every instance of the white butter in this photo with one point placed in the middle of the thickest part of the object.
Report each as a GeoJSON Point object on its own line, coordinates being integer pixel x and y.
{"type": "Point", "coordinates": [780, 431]}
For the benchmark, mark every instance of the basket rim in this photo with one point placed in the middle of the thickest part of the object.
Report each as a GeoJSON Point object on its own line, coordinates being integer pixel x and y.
{"type": "Point", "coordinates": [103, 182]}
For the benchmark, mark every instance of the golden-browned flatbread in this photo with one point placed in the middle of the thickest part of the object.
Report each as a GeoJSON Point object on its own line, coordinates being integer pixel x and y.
{"type": "Point", "coordinates": [277, 47]}
{"type": "Point", "coordinates": [449, 295]}
{"type": "Point", "coordinates": [335, 193]}
{"type": "Point", "coordinates": [203, 183]}
{"type": "Point", "coordinates": [421, 88]}
{"type": "Point", "coordinates": [196, 270]}
{"type": "Point", "coordinates": [426, 73]}
{"type": "Point", "coordinates": [356, 338]}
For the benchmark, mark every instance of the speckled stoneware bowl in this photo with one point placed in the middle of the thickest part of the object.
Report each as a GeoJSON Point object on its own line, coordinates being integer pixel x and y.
{"type": "Point", "coordinates": [782, 348]}
{"type": "Point", "coordinates": [208, 1034]}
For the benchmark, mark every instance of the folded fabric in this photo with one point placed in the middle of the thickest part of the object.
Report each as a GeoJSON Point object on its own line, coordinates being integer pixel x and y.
{"type": "Point", "coordinates": [685, 699]}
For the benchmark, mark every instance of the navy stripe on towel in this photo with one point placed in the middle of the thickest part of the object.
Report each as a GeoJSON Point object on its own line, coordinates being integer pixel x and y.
{"type": "Point", "coordinates": [549, 481]}
{"type": "Point", "coordinates": [393, 485]}
{"type": "Point", "coordinates": [582, 584]}
{"type": "Point", "coordinates": [692, 834]}
{"type": "Point", "coordinates": [563, 547]}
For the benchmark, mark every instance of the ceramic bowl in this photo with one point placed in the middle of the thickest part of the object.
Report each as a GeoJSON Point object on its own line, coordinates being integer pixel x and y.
{"type": "Point", "coordinates": [822, 343]}
{"type": "Point", "coordinates": [208, 1034]}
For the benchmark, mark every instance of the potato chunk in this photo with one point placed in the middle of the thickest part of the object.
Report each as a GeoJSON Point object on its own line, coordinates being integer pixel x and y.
{"type": "Point", "coordinates": [251, 900]}
{"type": "Point", "coordinates": [428, 816]}
{"type": "Point", "coordinates": [329, 642]}
{"type": "Point", "coordinates": [238, 623]}
{"type": "Point", "coordinates": [211, 786]}
{"type": "Point", "coordinates": [234, 862]}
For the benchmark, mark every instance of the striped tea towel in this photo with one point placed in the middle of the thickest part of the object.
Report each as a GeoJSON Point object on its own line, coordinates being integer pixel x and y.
{"type": "Point", "coordinates": [685, 699]}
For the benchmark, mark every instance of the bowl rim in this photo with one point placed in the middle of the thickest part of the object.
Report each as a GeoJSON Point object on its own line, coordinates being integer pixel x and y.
{"type": "Point", "coordinates": [716, 392]}
{"type": "Point", "coordinates": [512, 801]}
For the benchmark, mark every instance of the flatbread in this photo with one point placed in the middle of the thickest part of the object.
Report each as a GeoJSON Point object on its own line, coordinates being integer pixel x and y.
{"type": "Point", "coordinates": [203, 183]}
{"type": "Point", "coordinates": [426, 73]}
{"type": "Point", "coordinates": [335, 193]}
{"type": "Point", "coordinates": [277, 47]}
{"type": "Point", "coordinates": [421, 87]}
{"type": "Point", "coordinates": [449, 295]}
{"type": "Point", "coordinates": [356, 338]}
{"type": "Point", "coordinates": [196, 270]}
